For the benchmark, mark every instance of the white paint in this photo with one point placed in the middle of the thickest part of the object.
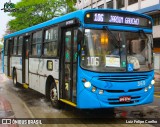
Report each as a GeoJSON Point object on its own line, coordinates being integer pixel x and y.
{"type": "Point", "coordinates": [147, 3]}
{"type": "Point", "coordinates": [26, 71]}
{"type": "Point", "coordinates": [38, 73]}
{"type": "Point", "coordinates": [156, 31]}
{"type": "Point", "coordinates": [16, 62]}
{"type": "Point", "coordinates": [19, 76]}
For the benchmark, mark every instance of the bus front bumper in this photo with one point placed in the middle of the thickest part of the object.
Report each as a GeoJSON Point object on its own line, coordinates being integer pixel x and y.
{"type": "Point", "coordinates": [90, 100]}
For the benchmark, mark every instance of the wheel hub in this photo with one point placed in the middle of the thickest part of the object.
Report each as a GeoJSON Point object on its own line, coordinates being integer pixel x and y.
{"type": "Point", "coordinates": [53, 94]}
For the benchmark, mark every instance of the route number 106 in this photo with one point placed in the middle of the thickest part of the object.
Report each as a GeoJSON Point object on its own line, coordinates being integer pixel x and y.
{"type": "Point", "coordinates": [98, 17]}
{"type": "Point", "coordinates": [93, 61]}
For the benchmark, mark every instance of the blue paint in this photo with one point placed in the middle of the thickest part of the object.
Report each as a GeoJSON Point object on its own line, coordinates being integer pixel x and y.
{"type": "Point", "coordinates": [130, 67]}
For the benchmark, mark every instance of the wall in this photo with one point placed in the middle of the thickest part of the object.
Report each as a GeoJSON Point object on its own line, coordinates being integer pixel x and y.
{"type": "Point", "coordinates": [156, 31]}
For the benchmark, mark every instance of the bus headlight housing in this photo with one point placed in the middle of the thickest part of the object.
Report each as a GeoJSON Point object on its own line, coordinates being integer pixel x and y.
{"type": "Point", "coordinates": [101, 91]}
{"type": "Point", "coordinates": [152, 82]}
{"type": "Point", "coordinates": [87, 84]}
{"type": "Point", "coordinates": [93, 89]}
{"type": "Point", "coordinates": [150, 86]}
{"type": "Point", "coordinates": [146, 89]}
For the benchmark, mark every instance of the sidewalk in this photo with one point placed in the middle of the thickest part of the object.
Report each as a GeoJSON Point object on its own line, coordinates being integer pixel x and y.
{"type": "Point", "coordinates": [6, 110]}
{"type": "Point", "coordinates": [11, 106]}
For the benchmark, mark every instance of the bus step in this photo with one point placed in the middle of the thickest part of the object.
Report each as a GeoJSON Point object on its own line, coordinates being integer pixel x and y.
{"type": "Point", "coordinates": [68, 102]}
{"type": "Point", "coordinates": [25, 85]}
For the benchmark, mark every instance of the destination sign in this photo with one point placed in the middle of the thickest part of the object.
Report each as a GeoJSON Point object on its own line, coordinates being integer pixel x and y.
{"type": "Point", "coordinates": [118, 18]}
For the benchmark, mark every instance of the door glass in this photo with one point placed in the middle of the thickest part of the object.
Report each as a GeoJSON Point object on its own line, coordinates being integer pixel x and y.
{"type": "Point", "coordinates": [70, 60]}
{"type": "Point", "coordinates": [27, 49]}
{"type": "Point", "coordinates": [67, 65]}
{"type": "Point", "coordinates": [75, 54]}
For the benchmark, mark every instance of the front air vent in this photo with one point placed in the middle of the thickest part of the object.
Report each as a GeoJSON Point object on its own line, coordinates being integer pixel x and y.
{"type": "Point", "coordinates": [134, 90]}
{"type": "Point", "coordinates": [122, 78]}
{"type": "Point", "coordinates": [115, 91]}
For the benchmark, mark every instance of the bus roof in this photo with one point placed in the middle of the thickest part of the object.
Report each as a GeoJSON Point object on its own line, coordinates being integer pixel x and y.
{"type": "Point", "coordinates": [77, 14]}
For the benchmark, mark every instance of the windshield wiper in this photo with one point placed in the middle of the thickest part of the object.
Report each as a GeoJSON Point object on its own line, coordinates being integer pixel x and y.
{"type": "Point", "coordinates": [116, 42]}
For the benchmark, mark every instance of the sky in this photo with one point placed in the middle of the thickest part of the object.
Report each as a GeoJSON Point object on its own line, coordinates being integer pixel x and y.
{"type": "Point", "coordinates": [4, 18]}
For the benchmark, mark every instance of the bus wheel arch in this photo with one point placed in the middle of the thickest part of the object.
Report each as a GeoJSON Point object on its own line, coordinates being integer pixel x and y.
{"type": "Point", "coordinates": [52, 92]}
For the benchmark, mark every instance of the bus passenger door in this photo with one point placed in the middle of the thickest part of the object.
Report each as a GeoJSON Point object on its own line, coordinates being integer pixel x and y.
{"type": "Point", "coordinates": [7, 57]}
{"type": "Point", "coordinates": [69, 64]}
{"type": "Point", "coordinates": [25, 60]}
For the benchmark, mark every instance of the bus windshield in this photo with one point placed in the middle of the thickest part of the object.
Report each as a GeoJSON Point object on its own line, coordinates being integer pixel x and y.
{"type": "Point", "coordinates": [101, 53]}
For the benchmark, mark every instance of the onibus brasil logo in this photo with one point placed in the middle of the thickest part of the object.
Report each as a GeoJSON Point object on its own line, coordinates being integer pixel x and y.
{"type": "Point", "coordinates": [9, 7]}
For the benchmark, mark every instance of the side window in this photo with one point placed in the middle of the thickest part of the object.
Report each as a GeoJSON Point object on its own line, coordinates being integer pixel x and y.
{"type": "Point", "coordinates": [19, 46]}
{"type": "Point", "coordinates": [36, 44]}
{"type": "Point", "coordinates": [51, 42]}
{"type": "Point", "coordinates": [6, 48]}
{"type": "Point", "coordinates": [132, 2]}
{"type": "Point", "coordinates": [15, 46]}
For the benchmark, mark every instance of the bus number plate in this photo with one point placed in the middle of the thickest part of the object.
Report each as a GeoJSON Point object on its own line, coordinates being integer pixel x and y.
{"type": "Point", "coordinates": [125, 99]}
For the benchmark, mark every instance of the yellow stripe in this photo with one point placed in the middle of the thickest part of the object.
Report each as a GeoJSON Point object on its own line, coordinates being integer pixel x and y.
{"type": "Point", "coordinates": [68, 102]}
{"type": "Point", "coordinates": [25, 85]}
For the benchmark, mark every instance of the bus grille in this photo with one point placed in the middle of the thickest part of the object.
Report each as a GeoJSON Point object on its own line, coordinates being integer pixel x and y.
{"type": "Point", "coordinates": [122, 91]}
{"type": "Point", "coordinates": [115, 101]}
{"type": "Point", "coordinates": [122, 78]}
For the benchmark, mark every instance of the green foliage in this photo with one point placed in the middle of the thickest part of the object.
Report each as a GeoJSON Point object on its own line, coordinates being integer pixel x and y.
{"type": "Point", "coordinates": [1, 46]}
{"type": "Point", "coordinates": [32, 12]}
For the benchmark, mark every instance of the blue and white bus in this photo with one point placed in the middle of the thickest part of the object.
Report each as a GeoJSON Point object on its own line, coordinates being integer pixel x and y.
{"type": "Point", "coordinates": [95, 58]}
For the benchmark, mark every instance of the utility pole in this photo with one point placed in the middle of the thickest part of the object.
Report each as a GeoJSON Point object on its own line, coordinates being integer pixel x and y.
{"type": "Point", "coordinates": [91, 3]}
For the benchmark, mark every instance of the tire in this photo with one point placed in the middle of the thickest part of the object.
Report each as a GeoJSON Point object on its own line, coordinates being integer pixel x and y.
{"type": "Point", "coordinates": [15, 78]}
{"type": "Point", "coordinates": [54, 96]}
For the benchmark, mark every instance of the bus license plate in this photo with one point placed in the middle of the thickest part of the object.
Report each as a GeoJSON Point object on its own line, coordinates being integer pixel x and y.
{"type": "Point", "coordinates": [125, 99]}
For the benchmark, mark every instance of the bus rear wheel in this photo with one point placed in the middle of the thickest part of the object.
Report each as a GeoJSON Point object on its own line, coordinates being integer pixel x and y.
{"type": "Point", "coordinates": [54, 96]}
{"type": "Point", "coordinates": [14, 78]}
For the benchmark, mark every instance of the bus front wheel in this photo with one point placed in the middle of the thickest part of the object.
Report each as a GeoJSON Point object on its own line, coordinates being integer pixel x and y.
{"type": "Point", "coordinates": [54, 95]}
{"type": "Point", "coordinates": [14, 77]}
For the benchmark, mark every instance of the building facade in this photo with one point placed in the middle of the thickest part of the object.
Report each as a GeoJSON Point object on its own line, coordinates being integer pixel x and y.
{"type": "Point", "coordinates": [149, 7]}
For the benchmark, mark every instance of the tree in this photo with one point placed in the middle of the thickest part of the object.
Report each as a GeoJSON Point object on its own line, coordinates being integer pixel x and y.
{"type": "Point", "coordinates": [7, 31]}
{"type": "Point", "coordinates": [29, 12]}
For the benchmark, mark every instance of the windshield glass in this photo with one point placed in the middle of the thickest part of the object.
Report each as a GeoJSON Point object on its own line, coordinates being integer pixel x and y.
{"type": "Point", "coordinates": [130, 51]}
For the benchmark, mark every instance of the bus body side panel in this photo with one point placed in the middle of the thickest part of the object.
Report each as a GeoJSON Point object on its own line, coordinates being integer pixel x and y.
{"type": "Point", "coordinates": [26, 71]}
{"type": "Point", "coordinates": [38, 72]}
{"type": "Point", "coordinates": [17, 63]}
{"type": "Point", "coordinates": [10, 66]}
{"type": "Point", "coordinates": [5, 65]}
{"type": "Point", "coordinates": [33, 73]}
{"type": "Point", "coordinates": [48, 67]}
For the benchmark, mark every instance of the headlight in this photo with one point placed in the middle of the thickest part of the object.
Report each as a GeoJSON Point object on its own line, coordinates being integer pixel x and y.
{"type": "Point", "coordinates": [150, 86]}
{"type": "Point", "coordinates": [152, 82]}
{"type": "Point", "coordinates": [145, 89]}
{"type": "Point", "coordinates": [87, 84]}
{"type": "Point", "coordinates": [93, 89]}
{"type": "Point", "coordinates": [101, 91]}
